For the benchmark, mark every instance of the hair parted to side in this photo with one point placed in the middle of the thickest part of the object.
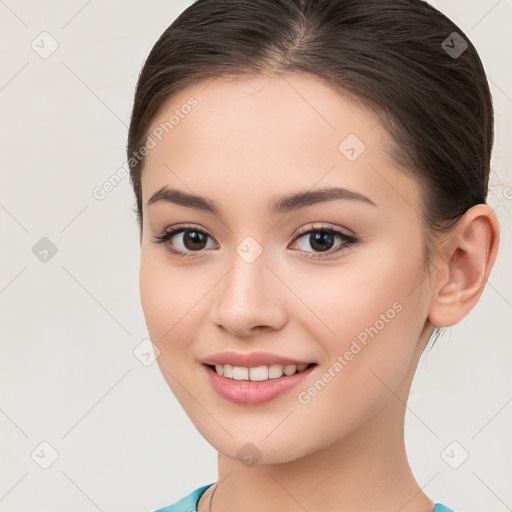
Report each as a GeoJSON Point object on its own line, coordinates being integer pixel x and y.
{"type": "Point", "coordinates": [387, 54]}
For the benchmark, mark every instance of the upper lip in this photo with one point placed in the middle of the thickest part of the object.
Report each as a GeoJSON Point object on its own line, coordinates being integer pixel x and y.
{"type": "Point", "coordinates": [251, 359]}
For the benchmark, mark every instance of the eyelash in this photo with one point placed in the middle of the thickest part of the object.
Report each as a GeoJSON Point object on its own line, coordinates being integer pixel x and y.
{"type": "Point", "coordinates": [348, 240]}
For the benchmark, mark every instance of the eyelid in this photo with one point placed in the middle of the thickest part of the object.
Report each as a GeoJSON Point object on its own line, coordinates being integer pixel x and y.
{"type": "Point", "coordinates": [323, 227]}
{"type": "Point", "coordinates": [178, 228]}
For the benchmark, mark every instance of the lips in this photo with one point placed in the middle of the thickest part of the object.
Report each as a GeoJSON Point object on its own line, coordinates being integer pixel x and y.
{"type": "Point", "coordinates": [246, 392]}
{"type": "Point", "coordinates": [251, 359]}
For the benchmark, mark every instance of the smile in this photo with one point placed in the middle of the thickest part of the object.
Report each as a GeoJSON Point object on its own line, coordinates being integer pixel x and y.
{"type": "Point", "coordinates": [255, 385]}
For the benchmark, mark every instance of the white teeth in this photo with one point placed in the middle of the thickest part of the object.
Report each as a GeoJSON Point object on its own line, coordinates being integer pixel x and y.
{"type": "Point", "coordinates": [240, 373]}
{"type": "Point", "coordinates": [258, 373]}
{"type": "Point", "coordinates": [290, 370]}
{"type": "Point", "coordinates": [275, 371]}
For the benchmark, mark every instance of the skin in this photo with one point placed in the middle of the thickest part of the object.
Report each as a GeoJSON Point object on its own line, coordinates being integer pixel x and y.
{"type": "Point", "coordinates": [248, 141]}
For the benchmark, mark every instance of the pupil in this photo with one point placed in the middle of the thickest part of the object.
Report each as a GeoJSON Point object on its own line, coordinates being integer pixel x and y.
{"type": "Point", "coordinates": [195, 238]}
{"type": "Point", "coordinates": [319, 238]}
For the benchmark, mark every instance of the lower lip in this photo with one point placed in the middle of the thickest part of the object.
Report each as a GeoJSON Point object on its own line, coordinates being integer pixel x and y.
{"type": "Point", "coordinates": [254, 392]}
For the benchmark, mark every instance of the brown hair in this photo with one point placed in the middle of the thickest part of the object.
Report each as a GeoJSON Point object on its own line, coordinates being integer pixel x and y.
{"type": "Point", "coordinates": [402, 58]}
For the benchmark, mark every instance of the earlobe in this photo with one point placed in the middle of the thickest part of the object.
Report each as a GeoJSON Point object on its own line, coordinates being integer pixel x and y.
{"type": "Point", "coordinates": [462, 272]}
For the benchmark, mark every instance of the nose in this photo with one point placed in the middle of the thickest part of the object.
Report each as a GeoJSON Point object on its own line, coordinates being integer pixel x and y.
{"type": "Point", "coordinates": [250, 298]}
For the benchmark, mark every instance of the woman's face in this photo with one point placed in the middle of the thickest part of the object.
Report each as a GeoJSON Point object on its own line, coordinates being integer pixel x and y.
{"type": "Point", "coordinates": [354, 300]}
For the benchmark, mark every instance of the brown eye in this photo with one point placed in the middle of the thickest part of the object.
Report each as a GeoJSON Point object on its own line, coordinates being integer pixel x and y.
{"type": "Point", "coordinates": [183, 240]}
{"type": "Point", "coordinates": [194, 240]}
{"type": "Point", "coordinates": [323, 239]}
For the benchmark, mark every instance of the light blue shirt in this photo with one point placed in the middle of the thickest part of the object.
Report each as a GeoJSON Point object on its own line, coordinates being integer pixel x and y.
{"type": "Point", "coordinates": [189, 503]}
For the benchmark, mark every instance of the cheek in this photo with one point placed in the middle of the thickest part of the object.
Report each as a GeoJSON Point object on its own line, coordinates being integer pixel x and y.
{"type": "Point", "coordinates": [165, 295]}
{"type": "Point", "coordinates": [370, 313]}
{"type": "Point", "coordinates": [377, 286]}
{"type": "Point", "coordinates": [155, 299]}
{"type": "Point", "coordinates": [174, 304]}
{"type": "Point", "coordinates": [168, 298]}
{"type": "Point", "coordinates": [370, 324]}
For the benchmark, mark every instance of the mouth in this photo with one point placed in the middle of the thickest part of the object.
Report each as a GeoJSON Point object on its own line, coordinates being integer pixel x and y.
{"type": "Point", "coordinates": [255, 385]}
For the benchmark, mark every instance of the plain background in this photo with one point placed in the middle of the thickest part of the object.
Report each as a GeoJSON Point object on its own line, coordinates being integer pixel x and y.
{"type": "Point", "coordinates": [70, 325]}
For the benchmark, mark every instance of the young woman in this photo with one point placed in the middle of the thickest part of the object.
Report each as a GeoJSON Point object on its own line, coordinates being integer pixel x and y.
{"type": "Point", "coordinates": [311, 181]}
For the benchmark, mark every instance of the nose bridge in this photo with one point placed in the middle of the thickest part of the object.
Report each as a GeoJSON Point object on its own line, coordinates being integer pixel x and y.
{"type": "Point", "coordinates": [248, 278]}
{"type": "Point", "coordinates": [248, 296]}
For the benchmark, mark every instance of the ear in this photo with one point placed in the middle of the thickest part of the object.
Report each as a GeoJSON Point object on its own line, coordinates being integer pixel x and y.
{"type": "Point", "coordinates": [463, 266]}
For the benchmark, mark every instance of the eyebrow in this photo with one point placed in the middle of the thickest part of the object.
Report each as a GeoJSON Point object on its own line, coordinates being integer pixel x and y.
{"type": "Point", "coordinates": [283, 204]}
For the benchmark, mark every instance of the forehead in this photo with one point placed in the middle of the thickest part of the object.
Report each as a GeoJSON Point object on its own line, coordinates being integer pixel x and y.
{"type": "Point", "coordinates": [267, 133]}
{"type": "Point", "coordinates": [274, 108]}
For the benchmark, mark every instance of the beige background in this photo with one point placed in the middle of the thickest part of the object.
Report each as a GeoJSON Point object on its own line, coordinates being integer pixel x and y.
{"type": "Point", "coordinates": [69, 326]}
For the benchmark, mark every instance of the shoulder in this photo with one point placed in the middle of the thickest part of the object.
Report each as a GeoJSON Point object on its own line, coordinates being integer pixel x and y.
{"type": "Point", "coordinates": [189, 502]}
{"type": "Point", "coordinates": [442, 508]}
